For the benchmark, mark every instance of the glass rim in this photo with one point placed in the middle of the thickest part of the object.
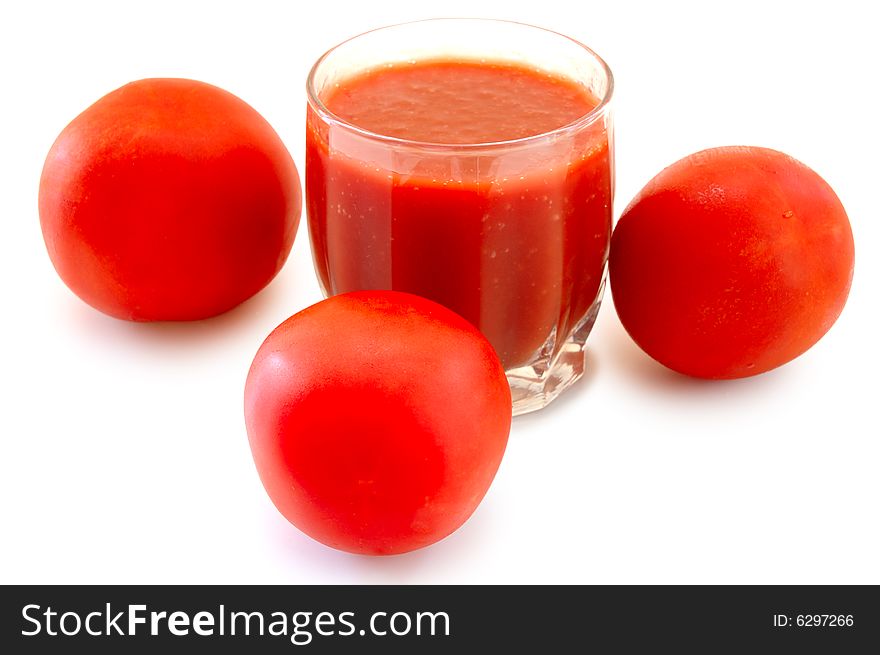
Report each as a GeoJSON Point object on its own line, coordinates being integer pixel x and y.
{"type": "Point", "coordinates": [579, 123]}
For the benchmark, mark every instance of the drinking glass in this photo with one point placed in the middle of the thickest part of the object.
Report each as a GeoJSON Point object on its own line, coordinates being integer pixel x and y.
{"type": "Point", "coordinates": [513, 235]}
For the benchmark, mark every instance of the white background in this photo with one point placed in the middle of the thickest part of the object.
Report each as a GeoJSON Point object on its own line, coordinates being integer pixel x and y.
{"type": "Point", "coordinates": [124, 456]}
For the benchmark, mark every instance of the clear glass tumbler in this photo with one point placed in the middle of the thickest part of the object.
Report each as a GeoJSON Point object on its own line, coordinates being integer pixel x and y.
{"type": "Point", "coordinates": [513, 235]}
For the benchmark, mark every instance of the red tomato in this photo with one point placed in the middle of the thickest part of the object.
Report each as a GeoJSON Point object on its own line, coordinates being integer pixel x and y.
{"type": "Point", "coordinates": [731, 262]}
{"type": "Point", "coordinates": [377, 420]}
{"type": "Point", "coordinates": [168, 199]}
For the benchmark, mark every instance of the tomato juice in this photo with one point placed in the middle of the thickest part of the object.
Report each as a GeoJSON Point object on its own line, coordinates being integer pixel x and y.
{"type": "Point", "coordinates": [483, 185]}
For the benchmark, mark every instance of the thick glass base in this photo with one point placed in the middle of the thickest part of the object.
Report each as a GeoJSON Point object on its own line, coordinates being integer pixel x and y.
{"type": "Point", "coordinates": [558, 366]}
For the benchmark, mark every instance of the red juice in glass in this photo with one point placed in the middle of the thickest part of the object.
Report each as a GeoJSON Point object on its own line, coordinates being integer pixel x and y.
{"type": "Point", "coordinates": [481, 181]}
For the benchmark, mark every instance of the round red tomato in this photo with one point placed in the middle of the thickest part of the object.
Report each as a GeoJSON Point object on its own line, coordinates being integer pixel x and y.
{"type": "Point", "coordinates": [731, 262]}
{"type": "Point", "coordinates": [168, 199]}
{"type": "Point", "coordinates": [377, 420]}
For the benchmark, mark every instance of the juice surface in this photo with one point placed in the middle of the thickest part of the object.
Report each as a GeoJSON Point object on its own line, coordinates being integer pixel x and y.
{"type": "Point", "coordinates": [514, 237]}
{"type": "Point", "coordinates": [459, 102]}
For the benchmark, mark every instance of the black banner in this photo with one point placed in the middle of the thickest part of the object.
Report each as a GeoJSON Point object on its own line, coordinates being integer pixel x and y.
{"type": "Point", "coordinates": [438, 619]}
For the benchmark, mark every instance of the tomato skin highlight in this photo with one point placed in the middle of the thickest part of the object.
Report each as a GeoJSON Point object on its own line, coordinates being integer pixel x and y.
{"type": "Point", "coordinates": [377, 420]}
{"type": "Point", "coordinates": [731, 262]}
{"type": "Point", "coordinates": [168, 199]}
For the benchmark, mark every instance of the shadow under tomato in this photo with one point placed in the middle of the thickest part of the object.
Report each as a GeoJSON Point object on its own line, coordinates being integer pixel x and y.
{"type": "Point", "coordinates": [251, 315]}
{"type": "Point", "coordinates": [640, 369]}
{"type": "Point", "coordinates": [350, 568]}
